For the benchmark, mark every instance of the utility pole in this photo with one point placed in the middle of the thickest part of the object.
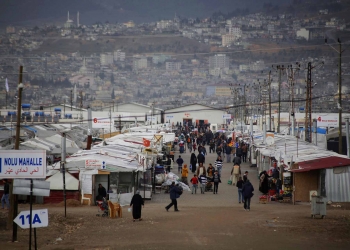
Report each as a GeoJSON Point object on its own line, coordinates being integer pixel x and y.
{"type": "Point", "coordinates": [340, 51]}
{"type": "Point", "coordinates": [71, 100]}
{"type": "Point", "coordinates": [269, 83]}
{"type": "Point", "coordinates": [280, 68]}
{"type": "Point", "coordinates": [63, 170]}
{"type": "Point", "coordinates": [89, 138]}
{"type": "Point", "coordinates": [339, 101]}
{"type": "Point", "coordinates": [308, 106]}
{"type": "Point", "coordinates": [13, 211]}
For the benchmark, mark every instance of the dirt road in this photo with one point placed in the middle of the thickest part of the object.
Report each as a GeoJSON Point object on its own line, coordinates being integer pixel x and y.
{"type": "Point", "coordinates": [205, 221]}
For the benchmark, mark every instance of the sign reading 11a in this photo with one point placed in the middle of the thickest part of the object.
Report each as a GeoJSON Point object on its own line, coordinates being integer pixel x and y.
{"type": "Point", "coordinates": [40, 218]}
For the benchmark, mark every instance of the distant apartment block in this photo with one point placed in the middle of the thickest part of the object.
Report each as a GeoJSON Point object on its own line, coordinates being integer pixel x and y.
{"type": "Point", "coordinates": [228, 39]}
{"type": "Point", "coordinates": [234, 30]}
{"type": "Point", "coordinates": [129, 24]}
{"type": "Point", "coordinates": [160, 58]}
{"type": "Point", "coordinates": [106, 59]}
{"type": "Point", "coordinates": [119, 56]}
{"type": "Point", "coordinates": [172, 66]}
{"type": "Point", "coordinates": [303, 33]}
{"type": "Point", "coordinates": [220, 61]}
{"type": "Point", "coordinates": [164, 24]}
{"type": "Point", "coordinates": [140, 63]}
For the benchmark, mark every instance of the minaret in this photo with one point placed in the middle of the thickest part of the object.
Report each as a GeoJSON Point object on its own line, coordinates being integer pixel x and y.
{"type": "Point", "coordinates": [68, 16]}
{"type": "Point", "coordinates": [78, 20]}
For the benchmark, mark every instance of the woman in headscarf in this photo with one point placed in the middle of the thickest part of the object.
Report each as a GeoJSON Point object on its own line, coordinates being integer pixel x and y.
{"type": "Point", "coordinates": [264, 182]}
{"type": "Point", "coordinates": [193, 162]}
{"type": "Point", "coordinates": [136, 204]}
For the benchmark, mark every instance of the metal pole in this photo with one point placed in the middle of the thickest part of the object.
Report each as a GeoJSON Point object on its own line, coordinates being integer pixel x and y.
{"type": "Point", "coordinates": [347, 138]}
{"type": "Point", "coordinates": [110, 122]}
{"type": "Point", "coordinates": [293, 126]}
{"type": "Point", "coordinates": [63, 162]}
{"type": "Point", "coordinates": [279, 99]}
{"type": "Point", "coordinates": [30, 213]}
{"type": "Point", "coordinates": [315, 128]}
{"type": "Point", "coordinates": [339, 101]}
{"type": "Point", "coordinates": [14, 202]}
{"type": "Point", "coordinates": [71, 100]}
{"type": "Point", "coordinates": [35, 244]}
{"type": "Point", "coordinates": [264, 133]}
{"type": "Point", "coordinates": [89, 138]}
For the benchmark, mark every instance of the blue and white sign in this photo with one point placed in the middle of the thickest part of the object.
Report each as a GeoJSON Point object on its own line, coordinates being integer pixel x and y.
{"type": "Point", "coordinates": [226, 116]}
{"type": "Point", "coordinates": [22, 164]}
{"type": "Point", "coordinates": [168, 117]}
{"type": "Point", "coordinates": [40, 218]}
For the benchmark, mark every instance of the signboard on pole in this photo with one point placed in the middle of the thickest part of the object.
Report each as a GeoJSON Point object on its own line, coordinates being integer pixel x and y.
{"type": "Point", "coordinates": [95, 164]}
{"type": "Point", "coordinates": [102, 122]}
{"type": "Point", "coordinates": [23, 164]}
{"type": "Point", "coordinates": [226, 116]}
{"type": "Point", "coordinates": [168, 117]}
{"type": "Point", "coordinates": [40, 188]}
{"type": "Point", "coordinates": [327, 121]}
{"type": "Point", "coordinates": [40, 218]}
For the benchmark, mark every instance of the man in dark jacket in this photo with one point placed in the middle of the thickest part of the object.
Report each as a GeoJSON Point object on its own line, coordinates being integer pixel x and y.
{"type": "Point", "coordinates": [179, 162]}
{"type": "Point", "coordinates": [247, 192]}
{"type": "Point", "coordinates": [174, 194]}
{"type": "Point", "coordinates": [239, 152]}
{"type": "Point", "coordinates": [237, 161]}
{"type": "Point", "coordinates": [216, 180]}
{"type": "Point", "coordinates": [200, 158]}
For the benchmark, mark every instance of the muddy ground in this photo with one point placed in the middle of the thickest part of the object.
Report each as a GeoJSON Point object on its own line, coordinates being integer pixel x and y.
{"type": "Point", "coordinates": [205, 221]}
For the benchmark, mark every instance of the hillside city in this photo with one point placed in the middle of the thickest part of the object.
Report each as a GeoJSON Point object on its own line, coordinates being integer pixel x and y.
{"type": "Point", "coordinates": [218, 61]}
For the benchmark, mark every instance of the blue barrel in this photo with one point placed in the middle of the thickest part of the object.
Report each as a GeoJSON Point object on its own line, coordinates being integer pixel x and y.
{"type": "Point", "coordinates": [68, 116]}
{"type": "Point", "coordinates": [25, 106]}
{"type": "Point", "coordinates": [57, 110]}
{"type": "Point", "coordinates": [39, 113]}
{"type": "Point", "coordinates": [10, 113]}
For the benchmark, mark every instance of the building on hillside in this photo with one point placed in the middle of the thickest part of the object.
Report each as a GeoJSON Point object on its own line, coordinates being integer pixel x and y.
{"type": "Point", "coordinates": [119, 56]}
{"type": "Point", "coordinates": [303, 33]}
{"type": "Point", "coordinates": [10, 30]}
{"type": "Point", "coordinates": [129, 24]}
{"type": "Point", "coordinates": [160, 58]}
{"type": "Point", "coordinates": [220, 61]}
{"type": "Point", "coordinates": [228, 39]}
{"type": "Point", "coordinates": [236, 31]}
{"type": "Point", "coordinates": [106, 59]}
{"type": "Point", "coordinates": [172, 66]}
{"type": "Point", "coordinates": [140, 63]}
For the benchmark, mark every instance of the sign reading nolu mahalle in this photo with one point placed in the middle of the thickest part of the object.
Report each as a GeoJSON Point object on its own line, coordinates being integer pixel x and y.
{"type": "Point", "coordinates": [22, 164]}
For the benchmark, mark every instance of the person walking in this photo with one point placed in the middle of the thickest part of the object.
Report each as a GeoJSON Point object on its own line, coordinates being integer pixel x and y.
{"type": "Point", "coordinates": [5, 196]}
{"type": "Point", "coordinates": [210, 171]}
{"type": "Point", "coordinates": [179, 162]}
{"type": "Point", "coordinates": [216, 180]}
{"type": "Point", "coordinates": [200, 158]}
{"type": "Point", "coordinates": [137, 203]}
{"type": "Point", "coordinates": [184, 174]}
{"type": "Point", "coordinates": [247, 192]}
{"type": "Point", "coordinates": [239, 185]}
{"type": "Point", "coordinates": [218, 165]}
{"type": "Point", "coordinates": [228, 150]}
{"type": "Point", "coordinates": [194, 182]}
{"type": "Point", "coordinates": [244, 152]}
{"type": "Point", "coordinates": [237, 160]}
{"type": "Point", "coordinates": [219, 151]}
{"type": "Point", "coordinates": [193, 162]}
{"type": "Point", "coordinates": [239, 152]}
{"type": "Point", "coordinates": [203, 182]}
{"type": "Point", "coordinates": [174, 194]}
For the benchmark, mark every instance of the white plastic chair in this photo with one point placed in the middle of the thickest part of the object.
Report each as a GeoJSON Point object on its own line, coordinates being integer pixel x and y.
{"type": "Point", "coordinates": [84, 198]}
